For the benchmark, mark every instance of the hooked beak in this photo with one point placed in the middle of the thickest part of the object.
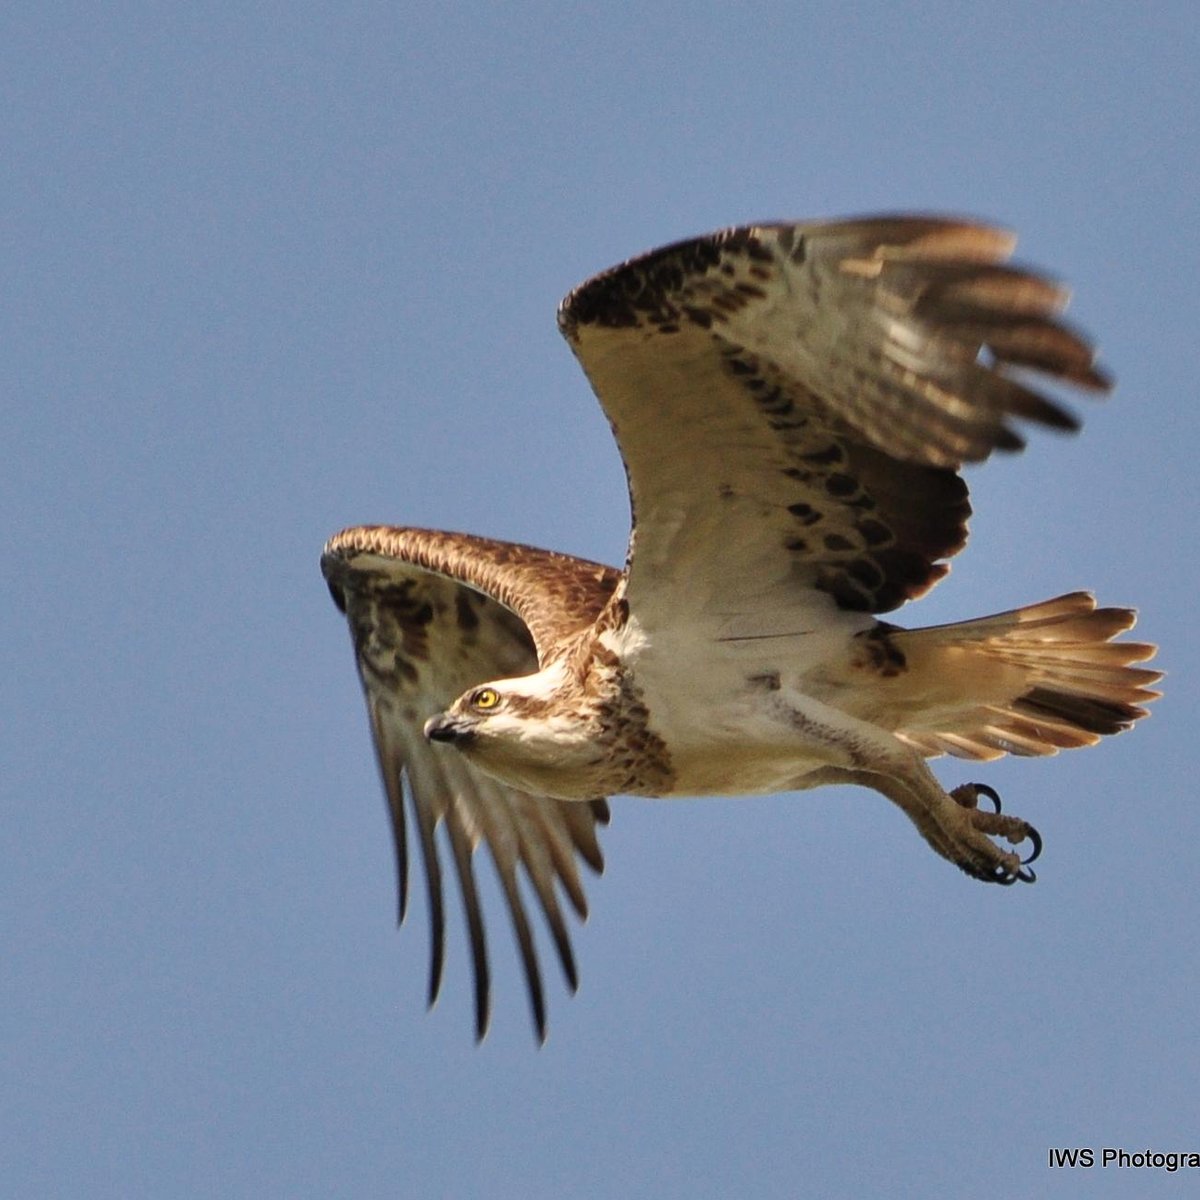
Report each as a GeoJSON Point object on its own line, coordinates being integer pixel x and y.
{"type": "Point", "coordinates": [447, 728]}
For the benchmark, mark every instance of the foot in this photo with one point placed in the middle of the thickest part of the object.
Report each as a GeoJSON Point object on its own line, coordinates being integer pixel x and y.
{"type": "Point", "coordinates": [977, 854]}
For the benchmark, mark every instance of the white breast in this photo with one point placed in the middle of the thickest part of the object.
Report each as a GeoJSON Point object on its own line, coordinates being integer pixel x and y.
{"type": "Point", "coordinates": [732, 710]}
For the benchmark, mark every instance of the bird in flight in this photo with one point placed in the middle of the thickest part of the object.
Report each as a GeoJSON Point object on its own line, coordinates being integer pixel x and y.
{"type": "Point", "coordinates": [793, 404]}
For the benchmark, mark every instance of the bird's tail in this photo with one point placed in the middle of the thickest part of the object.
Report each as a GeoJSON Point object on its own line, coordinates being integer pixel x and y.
{"type": "Point", "coordinates": [1031, 681]}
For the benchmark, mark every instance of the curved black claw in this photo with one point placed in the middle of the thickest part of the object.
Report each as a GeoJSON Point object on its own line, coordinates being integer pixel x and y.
{"type": "Point", "coordinates": [995, 873]}
{"type": "Point", "coordinates": [967, 794]}
{"type": "Point", "coordinates": [991, 794]}
{"type": "Point", "coordinates": [1025, 873]}
{"type": "Point", "coordinates": [1036, 838]}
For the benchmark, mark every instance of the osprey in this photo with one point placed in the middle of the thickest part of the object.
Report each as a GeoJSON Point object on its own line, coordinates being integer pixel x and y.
{"type": "Point", "coordinates": [793, 403]}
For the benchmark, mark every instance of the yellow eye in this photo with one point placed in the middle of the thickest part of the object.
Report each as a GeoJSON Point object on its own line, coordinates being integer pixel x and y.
{"type": "Point", "coordinates": [485, 698]}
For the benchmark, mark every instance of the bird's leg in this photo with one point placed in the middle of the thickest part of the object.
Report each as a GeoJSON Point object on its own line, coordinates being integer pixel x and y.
{"type": "Point", "coordinates": [952, 822]}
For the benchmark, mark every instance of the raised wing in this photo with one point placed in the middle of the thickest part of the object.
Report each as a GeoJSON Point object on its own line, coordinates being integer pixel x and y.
{"type": "Point", "coordinates": [432, 614]}
{"type": "Point", "coordinates": [793, 403]}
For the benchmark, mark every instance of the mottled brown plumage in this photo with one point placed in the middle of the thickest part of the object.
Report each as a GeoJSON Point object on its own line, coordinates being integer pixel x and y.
{"type": "Point", "coordinates": [793, 404]}
{"type": "Point", "coordinates": [421, 638]}
{"type": "Point", "coordinates": [851, 427]}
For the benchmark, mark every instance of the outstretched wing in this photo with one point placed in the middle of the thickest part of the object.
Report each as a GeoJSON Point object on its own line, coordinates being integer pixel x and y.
{"type": "Point", "coordinates": [432, 614]}
{"type": "Point", "coordinates": [793, 403]}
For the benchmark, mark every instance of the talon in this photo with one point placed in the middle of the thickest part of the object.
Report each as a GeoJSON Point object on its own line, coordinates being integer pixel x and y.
{"type": "Point", "coordinates": [1025, 830]}
{"type": "Point", "coordinates": [1036, 838]}
{"type": "Point", "coordinates": [1024, 873]}
{"type": "Point", "coordinates": [967, 794]}
{"type": "Point", "coordinates": [989, 792]}
{"type": "Point", "coordinates": [1002, 874]}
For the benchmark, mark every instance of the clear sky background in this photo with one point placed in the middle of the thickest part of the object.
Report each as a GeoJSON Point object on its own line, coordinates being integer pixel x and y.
{"type": "Point", "coordinates": [267, 270]}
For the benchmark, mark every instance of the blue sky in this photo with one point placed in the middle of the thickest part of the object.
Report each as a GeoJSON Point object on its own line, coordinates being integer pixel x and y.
{"type": "Point", "coordinates": [269, 270]}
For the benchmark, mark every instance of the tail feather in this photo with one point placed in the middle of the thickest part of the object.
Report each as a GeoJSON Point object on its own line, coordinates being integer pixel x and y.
{"type": "Point", "coordinates": [1031, 681]}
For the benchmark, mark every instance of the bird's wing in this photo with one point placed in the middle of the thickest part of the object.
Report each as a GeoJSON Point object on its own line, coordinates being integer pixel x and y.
{"type": "Point", "coordinates": [793, 403]}
{"type": "Point", "coordinates": [432, 614]}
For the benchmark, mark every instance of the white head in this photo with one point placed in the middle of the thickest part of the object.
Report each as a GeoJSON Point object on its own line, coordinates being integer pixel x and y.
{"type": "Point", "coordinates": [536, 732]}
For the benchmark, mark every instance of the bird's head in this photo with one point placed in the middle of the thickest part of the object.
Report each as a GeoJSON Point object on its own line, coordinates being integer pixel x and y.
{"type": "Point", "coordinates": [531, 732]}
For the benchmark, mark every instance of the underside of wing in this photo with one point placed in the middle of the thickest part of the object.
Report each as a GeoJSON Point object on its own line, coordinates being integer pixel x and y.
{"type": "Point", "coordinates": [793, 402]}
{"type": "Point", "coordinates": [427, 624]}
